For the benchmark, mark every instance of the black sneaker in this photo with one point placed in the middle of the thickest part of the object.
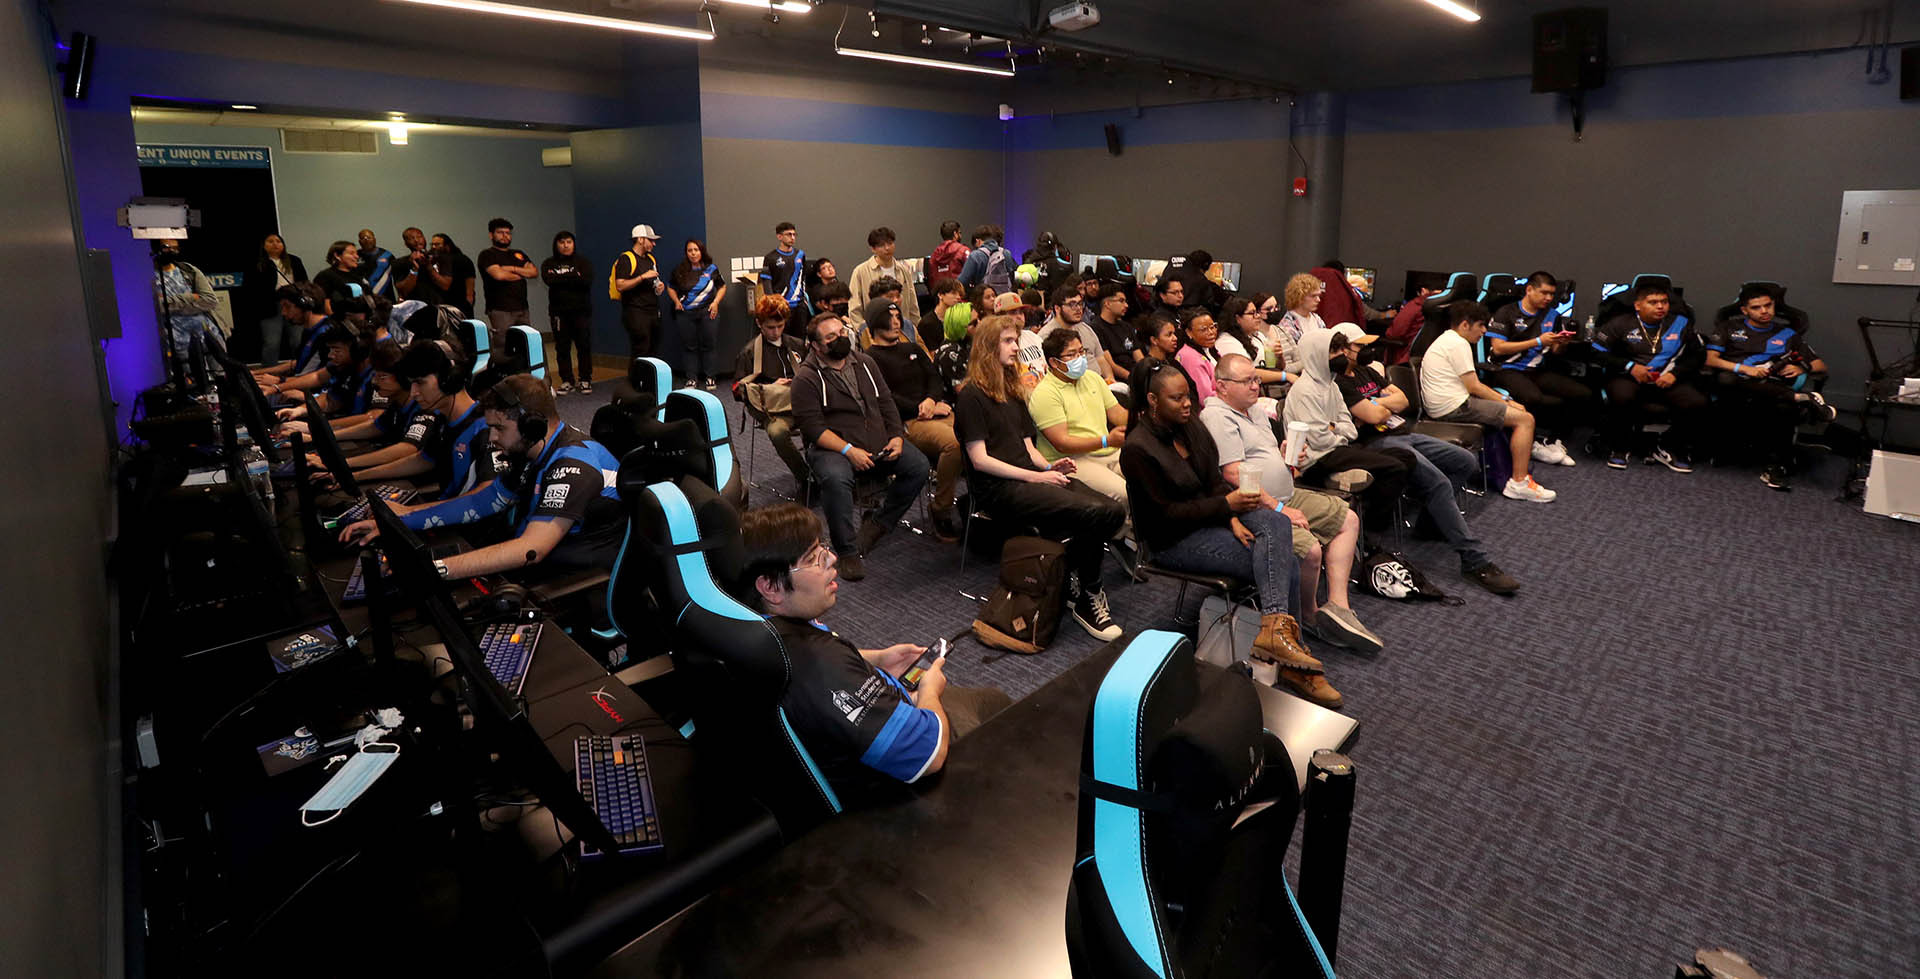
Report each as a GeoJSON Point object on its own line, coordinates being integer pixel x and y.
{"type": "Point", "coordinates": [1776, 478]}
{"type": "Point", "coordinates": [871, 530]}
{"type": "Point", "coordinates": [946, 525]}
{"type": "Point", "coordinates": [1090, 609]}
{"type": "Point", "coordinates": [1488, 576]}
{"type": "Point", "coordinates": [852, 568]}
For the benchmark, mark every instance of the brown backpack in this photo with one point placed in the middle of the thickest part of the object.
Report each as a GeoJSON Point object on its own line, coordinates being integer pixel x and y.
{"type": "Point", "coordinates": [1024, 610]}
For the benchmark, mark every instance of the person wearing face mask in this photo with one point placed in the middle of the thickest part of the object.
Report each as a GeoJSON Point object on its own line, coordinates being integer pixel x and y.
{"type": "Point", "coordinates": [924, 404]}
{"type": "Point", "coordinates": [1070, 312]}
{"type": "Point", "coordinates": [1244, 331]}
{"type": "Point", "coordinates": [853, 428]}
{"type": "Point", "coordinates": [834, 297]}
{"type": "Point", "coordinates": [558, 491]}
{"type": "Point", "coordinates": [1077, 417]}
{"type": "Point", "coordinates": [772, 357]}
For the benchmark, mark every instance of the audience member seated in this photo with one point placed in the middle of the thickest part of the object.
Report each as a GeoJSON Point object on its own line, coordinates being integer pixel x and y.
{"type": "Point", "coordinates": [852, 428]}
{"type": "Point", "coordinates": [1011, 481]}
{"type": "Point", "coordinates": [1070, 311]}
{"type": "Point", "coordinates": [835, 298]}
{"type": "Point", "coordinates": [931, 331]}
{"type": "Point", "coordinates": [1109, 322]}
{"type": "Point", "coordinates": [1325, 530]}
{"type": "Point", "coordinates": [1769, 385]}
{"type": "Point", "coordinates": [1078, 418]}
{"type": "Point", "coordinates": [822, 277]}
{"type": "Point", "coordinates": [1169, 297]}
{"type": "Point", "coordinates": [1244, 331]}
{"type": "Point", "coordinates": [446, 443]}
{"type": "Point", "coordinates": [558, 485]}
{"type": "Point", "coordinates": [1453, 392]}
{"type": "Point", "coordinates": [1191, 519]}
{"type": "Point", "coordinates": [1526, 347]}
{"type": "Point", "coordinates": [1198, 354]}
{"type": "Point", "coordinates": [1332, 436]}
{"type": "Point", "coordinates": [847, 705]}
{"type": "Point", "coordinates": [1303, 313]}
{"type": "Point", "coordinates": [924, 405]}
{"type": "Point", "coordinates": [1435, 468]}
{"type": "Point", "coordinates": [1647, 353]}
{"type": "Point", "coordinates": [303, 306]}
{"type": "Point", "coordinates": [950, 360]}
{"type": "Point", "coordinates": [772, 358]}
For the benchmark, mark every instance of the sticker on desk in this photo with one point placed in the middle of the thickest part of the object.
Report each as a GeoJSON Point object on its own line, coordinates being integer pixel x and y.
{"type": "Point", "coordinates": [1903, 265]}
{"type": "Point", "coordinates": [293, 751]}
{"type": "Point", "coordinates": [293, 652]}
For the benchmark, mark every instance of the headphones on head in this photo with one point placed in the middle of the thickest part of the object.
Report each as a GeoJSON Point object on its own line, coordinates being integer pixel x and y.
{"type": "Point", "coordinates": [455, 377]}
{"type": "Point", "coordinates": [302, 300]}
{"type": "Point", "coordinates": [532, 427]}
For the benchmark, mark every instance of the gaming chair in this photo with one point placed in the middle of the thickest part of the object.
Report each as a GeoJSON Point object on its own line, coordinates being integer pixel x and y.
{"type": "Point", "coordinates": [1460, 288]}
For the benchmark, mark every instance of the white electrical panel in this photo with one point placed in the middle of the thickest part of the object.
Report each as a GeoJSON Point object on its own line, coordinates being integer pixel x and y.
{"type": "Point", "coordinates": [1879, 240]}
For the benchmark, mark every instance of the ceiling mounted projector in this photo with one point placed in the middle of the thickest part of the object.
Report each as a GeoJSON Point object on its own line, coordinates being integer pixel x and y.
{"type": "Point", "coordinates": [1074, 16]}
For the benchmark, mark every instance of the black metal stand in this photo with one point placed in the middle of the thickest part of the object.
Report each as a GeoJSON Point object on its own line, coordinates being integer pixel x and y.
{"type": "Point", "coordinates": [1323, 844]}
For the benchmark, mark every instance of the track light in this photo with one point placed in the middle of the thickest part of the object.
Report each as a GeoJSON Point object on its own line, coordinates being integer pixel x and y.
{"type": "Point", "coordinates": [788, 6]}
{"type": "Point", "coordinates": [926, 37]}
{"type": "Point", "coordinates": [564, 17]}
{"type": "Point", "coordinates": [907, 59]}
{"type": "Point", "coordinates": [1457, 9]}
{"type": "Point", "coordinates": [873, 23]}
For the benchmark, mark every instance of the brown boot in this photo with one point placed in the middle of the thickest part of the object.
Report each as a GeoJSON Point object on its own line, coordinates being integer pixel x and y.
{"type": "Point", "coordinates": [1279, 640]}
{"type": "Point", "coordinates": [1311, 686]}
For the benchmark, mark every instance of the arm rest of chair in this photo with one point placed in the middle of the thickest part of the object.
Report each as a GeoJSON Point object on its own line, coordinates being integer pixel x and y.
{"type": "Point", "coordinates": [565, 585]}
{"type": "Point", "coordinates": [1460, 434]}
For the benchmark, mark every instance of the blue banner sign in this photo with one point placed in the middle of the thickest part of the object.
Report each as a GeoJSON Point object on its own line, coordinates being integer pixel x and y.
{"type": "Point", "coordinates": [184, 155]}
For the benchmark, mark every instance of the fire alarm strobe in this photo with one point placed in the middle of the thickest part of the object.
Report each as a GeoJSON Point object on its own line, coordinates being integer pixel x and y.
{"type": "Point", "coordinates": [1299, 186]}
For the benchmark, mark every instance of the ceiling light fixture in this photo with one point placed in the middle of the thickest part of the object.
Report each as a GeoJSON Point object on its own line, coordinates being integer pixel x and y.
{"type": "Point", "coordinates": [244, 108]}
{"type": "Point", "coordinates": [1457, 9]}
{"type": "Point", "coordinates": [789, 6]}
{"type": "Point", "coordinates": [908, 59]}
{"type": "Point", "coordinates": [563, 17]}
{"type": "Point", "coordinates": [397, 133]}
{"type": "Point", "coordinates": [926, 37]}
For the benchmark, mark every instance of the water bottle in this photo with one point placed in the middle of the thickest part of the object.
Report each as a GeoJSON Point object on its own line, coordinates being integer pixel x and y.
{"type": "Point", "coordinates": [1586, 333]}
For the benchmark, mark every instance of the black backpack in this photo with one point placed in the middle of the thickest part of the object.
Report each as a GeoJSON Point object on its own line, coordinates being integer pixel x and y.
{"type": "Point", "coordinates": [1024, 610]}
{"type": "Point", "coordinates": [1388, 574]}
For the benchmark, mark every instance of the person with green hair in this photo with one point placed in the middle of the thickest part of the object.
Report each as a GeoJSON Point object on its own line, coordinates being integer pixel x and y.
{"type": "Point", "coordinates": [951, 359]}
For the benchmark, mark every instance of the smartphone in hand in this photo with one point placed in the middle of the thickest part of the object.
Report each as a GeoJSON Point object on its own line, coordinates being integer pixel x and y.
{"type": "Point", "coordinates": [936, 650]}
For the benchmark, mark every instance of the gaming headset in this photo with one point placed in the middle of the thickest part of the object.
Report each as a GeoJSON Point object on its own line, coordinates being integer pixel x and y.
{"type": "Point", "coordinates": [301, 299]}
{"type": "Point", "coordinates": [532, 427]}
{"type": "Point", "coordinates": [454, 379]}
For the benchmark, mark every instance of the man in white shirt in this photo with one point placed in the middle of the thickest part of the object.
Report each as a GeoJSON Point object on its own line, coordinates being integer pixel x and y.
{"type": "Point", "coordinates": [881, 241]}
{"type": "Point", "coordinates": [1451, 391]}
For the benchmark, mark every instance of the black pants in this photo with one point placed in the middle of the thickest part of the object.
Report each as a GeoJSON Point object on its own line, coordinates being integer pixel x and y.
{"type": "Point", "coordinates": [1558, 402]}
{"type": "Point", "coordinates": [641, 326]}
{"type": "Point", "coordinates": [1627, 404]}
{"type": "Point", "coordinates": [1762, 413]}
{"type": "Point", "coordinates": [1387, 465]}
{"type": "Point", "coordinates": [573, 330]}
{"type": "Point", "coordinates": [1075, 515]}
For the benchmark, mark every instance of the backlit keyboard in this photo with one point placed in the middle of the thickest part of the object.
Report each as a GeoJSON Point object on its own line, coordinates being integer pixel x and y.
{"type": "Point", "coordinates": [508, 648]}
{"type": "Point", "coordinates": [611, 771]}
{"type": "Point", "coordinates": [359, 509]}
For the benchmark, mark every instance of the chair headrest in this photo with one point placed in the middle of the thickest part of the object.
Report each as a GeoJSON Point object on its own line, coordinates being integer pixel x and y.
{"type": "Point", "coordinates": [478, 339]}
{"type": "Point", "coordinates": [705, 412]}
{"type": "Point", "coordinates": [652, 450]}
{"type": "Point", "coordinates": [690, 523]}
{"type": "Point", "coordinates": [650, 377]}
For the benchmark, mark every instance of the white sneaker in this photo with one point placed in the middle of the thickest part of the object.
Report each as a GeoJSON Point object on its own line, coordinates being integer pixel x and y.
{"type": "Point", "coordinates": [1543, 452]}
{"type": "Point", "coordinates": [1529, 490]}
{"type": "Point", "coordinates": [1565, 458]}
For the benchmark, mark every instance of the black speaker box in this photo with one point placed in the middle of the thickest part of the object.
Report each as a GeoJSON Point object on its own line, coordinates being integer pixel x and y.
{"type": "Point", "coordinates": [1570, 49]}
{"type": "Point", "coordinates": [1910, 73]}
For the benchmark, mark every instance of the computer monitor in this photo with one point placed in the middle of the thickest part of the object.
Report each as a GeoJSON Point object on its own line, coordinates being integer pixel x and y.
{"type": "Point", "coordinates": [1363, 280]}
{"type": "Point", "coordinates": [1418, 279]}
{"type": "Point", "coordinates": [496, 713]}
{"type": "Point", "coordinates": [239, 390]}
{"type": "Point", "coordinates": [321, 434]}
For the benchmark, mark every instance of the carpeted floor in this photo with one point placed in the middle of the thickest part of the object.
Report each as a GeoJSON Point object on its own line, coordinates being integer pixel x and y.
{"type": "Point", "coordinates": [1696, 725]}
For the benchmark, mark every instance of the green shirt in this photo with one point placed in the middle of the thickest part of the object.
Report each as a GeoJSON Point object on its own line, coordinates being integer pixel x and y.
{"type": "Point", "coordinates": [1081, 405]}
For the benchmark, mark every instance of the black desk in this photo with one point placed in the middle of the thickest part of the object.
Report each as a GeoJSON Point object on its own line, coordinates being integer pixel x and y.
{"type": "Point", "coordinates": [968, 878]}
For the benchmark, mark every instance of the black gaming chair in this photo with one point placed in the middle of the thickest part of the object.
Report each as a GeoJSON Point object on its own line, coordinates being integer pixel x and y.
{"type": "Point", "coordinates": [1500, 289]}
{"type": "Point", "coordinates": [730, 668]}
{"type": "Point", "coordinates": [1460, 288]}
{"type": "Point", "coordinates": [683, 432]}
{"type": "Point", "coordinates": [703, 411]}
{"type": "Point", "coordinates": [1186, 809]}
{"type": "Point", "coordinates": [1792, 315]}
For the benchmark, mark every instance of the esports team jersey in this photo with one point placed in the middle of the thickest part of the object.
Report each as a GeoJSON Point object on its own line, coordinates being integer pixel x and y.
{"type": "Point", "coordinates": [1515, 325]}
{"type": "Point", "coordinates": [1655, 346]}
{"type": "Point", "coordinates": [458, 450]}
{"type": "Point", "coordinates": [851, 716]}
{"type": "Point", "coordinates": [379, 271]}
{"type": "Point", "coordinates": [573, 477]}
{"type": "Point", "coordinates": [396, 422]}
{"type": "Point", "coordinates": [783, 274]}
{"type": "Point", "coordinates": [1743, 343]}
{"type": "Point", "coordinates": [350, 393]}
{"type": "Point", "coordinates": [698, 296]}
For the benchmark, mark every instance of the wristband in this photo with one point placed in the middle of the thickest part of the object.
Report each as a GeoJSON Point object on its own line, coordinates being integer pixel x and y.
{"type": "Point", "coordinates": [1103, 440]}
{"type": "Point", "coordinates": [846, 448]}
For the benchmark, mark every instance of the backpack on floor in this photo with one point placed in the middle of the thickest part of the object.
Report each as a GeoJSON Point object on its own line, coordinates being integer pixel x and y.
{"type": "Point", "coordinates": [1024, 610]}
{"type": "Point", "coordinates": [1388, 574]}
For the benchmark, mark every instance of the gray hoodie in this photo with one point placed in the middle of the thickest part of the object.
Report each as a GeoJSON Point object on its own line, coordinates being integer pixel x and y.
{"type": "Point", "coordinates": [1316, 400]}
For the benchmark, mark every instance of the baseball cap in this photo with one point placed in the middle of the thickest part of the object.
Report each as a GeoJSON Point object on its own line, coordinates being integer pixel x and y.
{"type": "Point", "coordinates": [644, 231]}
{"type": "Point", "coordinates": [1352, 334]}
{"type": "Point", "coordinates": [1007, 302]}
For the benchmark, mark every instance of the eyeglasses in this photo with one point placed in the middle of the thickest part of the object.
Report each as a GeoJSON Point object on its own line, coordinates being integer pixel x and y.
{"type": "Point", "coordinates": [1073, 304]}
{"type": "Point", "coordinates": [817, 558]}
{"type": "Point", "coordinates": [1222, 379]}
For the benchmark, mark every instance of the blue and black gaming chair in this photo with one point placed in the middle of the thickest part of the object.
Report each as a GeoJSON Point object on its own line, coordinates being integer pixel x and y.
{"type": "Point", "coordinates": [1179, 870]}
{"type": "Point", "coordinates": [1500, 289]}
{"type": "Point", "coordinates": [479, 343]}
{"type": "Point", "coordinates": [730, 668]}
{"type": "Point", "coordinates": [703, 410]}
{"type": "Point", "coordinates": [1460, 288]}
{"type": "Point", "coordinates": [524, 352]}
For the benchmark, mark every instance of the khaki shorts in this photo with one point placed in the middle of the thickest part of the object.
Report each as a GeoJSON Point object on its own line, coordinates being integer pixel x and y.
{"type": "Point", "coordinates": [1326, 514]}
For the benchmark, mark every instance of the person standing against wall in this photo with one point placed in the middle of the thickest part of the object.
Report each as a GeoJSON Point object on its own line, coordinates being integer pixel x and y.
{"type": "Point", "coordinates": [881, 241]}
{"type": "Point", "coordinates": [636, 279]}
{"type": "Point", "coordinates": [507, 270]}
{"type": "Point", "coordinates": [376, 264]}
{"type": "Point", "coordinates": [570, 310]}
{"type": "Point", "coordinates": [277, 267]}
{"type": "Point", "coordinates": [696, 293]}
{"type": "Point", "coordinates": [783, 273]}
{"type": "Point", "coordinates": [409, 280]}
{"type": "Point", "coordinates": [451, 274]}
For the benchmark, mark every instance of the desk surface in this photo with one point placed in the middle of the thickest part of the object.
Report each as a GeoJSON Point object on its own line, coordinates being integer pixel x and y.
{"type": "Point", "coordinates": [968, 878]}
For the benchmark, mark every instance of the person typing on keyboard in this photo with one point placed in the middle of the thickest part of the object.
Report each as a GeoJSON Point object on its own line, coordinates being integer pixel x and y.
{"type": "Point", "coordinates": [848, 705]}
{"type": "Point", "coordinates": [557, 493]}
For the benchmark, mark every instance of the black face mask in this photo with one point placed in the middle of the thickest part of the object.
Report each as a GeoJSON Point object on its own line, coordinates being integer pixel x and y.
{"type": "Point", "coordinates": [1339, 364]}
{"type": "Point", "coordinates": [1274, 316]}
{"type": "Point", "coordinates": [839, 348]}
{"type": "Point", "coordinates": [839, 309]}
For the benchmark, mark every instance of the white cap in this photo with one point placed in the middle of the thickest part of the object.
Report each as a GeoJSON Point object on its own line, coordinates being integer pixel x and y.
{"type": "Point", "coordinates": [644, 231]}
{"type": "Point", "coordinates": [1353, 334]}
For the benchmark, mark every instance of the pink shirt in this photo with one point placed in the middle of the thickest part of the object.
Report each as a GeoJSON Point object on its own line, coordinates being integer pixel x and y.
{"type": "Point", "coordinates": [1199, 367]}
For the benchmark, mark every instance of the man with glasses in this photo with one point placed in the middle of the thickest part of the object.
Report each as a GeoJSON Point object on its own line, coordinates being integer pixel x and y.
{"type": "Point", "coordinates": [1109, 321]}
{"type": "Point", "coordinates": [851, 708]}
{"type": "Point", "coordinates": [1077, 417]}
{"type": "Point", "coordinates": [1069, 310]}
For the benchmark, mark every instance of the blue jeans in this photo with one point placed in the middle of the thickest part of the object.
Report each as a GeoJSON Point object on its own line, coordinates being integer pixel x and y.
{"type": "Point", "coordinates": [835, 477]}
{"type": "Point", "coordinates": [1441, 468]}
{"type": "Point", "coordinates": [1269, 563]}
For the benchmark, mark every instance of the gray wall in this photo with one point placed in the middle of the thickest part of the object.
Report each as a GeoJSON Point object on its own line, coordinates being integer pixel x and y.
{"type": "Point", "coordinates": [438, 182]}
{"type": "Point", "coordinates": [60, 857]}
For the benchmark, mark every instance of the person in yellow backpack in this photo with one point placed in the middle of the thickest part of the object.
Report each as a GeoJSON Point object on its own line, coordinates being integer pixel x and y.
{"type": "Point", "coordinates": [635, 281]}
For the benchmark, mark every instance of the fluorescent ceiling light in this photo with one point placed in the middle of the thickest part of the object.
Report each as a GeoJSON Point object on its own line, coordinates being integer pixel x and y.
{"type": "Point", "coordinates": [237, 105]}
{"type": "Point", "coordinates": [563, 17]}
{"type": "Point", "coordinates": [790, 6]}
{"type": "Point", "coordinates": [1456, 9]}
{"type": "Point", "coordinates": [907, 59]}
{"type": "Point", "coordinates": [397, 133]}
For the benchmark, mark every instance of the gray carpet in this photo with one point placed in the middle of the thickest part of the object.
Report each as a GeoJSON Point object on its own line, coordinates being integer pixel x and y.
{"type": "Point", "coordinates": [1697, 724]}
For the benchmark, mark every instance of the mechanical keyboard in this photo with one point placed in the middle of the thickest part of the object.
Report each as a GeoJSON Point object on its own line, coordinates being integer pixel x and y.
{"type": "Point", "coordinates": [508, 648]}
{"type": "Point", "coordinates": [359, 510]}
{"type": "Point", "coordinates": [611, 771]}
{"type": "Point", "coordinates": [356, 590]}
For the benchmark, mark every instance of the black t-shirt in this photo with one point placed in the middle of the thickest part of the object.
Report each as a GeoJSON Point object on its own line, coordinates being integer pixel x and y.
{"type": "Point", "coordinates": [334, 283]}
{"type": "Point", "coordinates": [1120, 339]}
{"type": "Point", "coordinates": [509, 296]}
{"type": "Point", "coordinates": [854, 719]}
{"type": "Point", "coordinates": [568, 277]}
{"type": "Point", "coordinates": [642, 295]}
{"type": "Point", "coordinates": [1365, 382]}
{"type": "Point", "coordinates": [1003, 426]}
{"type": "Point", "coordinates": [1515, 324]}
{"type": "Point", "coordinates": [460, 268]}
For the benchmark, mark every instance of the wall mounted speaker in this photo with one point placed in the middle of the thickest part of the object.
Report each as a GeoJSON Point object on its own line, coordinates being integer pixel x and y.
{"type": "Point", "coordinates": [1570, 49]}
{"type": "Point", "coordinates": [1910, 73]}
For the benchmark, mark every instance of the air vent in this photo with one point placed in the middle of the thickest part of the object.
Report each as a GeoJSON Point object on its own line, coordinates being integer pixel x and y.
{"type": "Point", "coordinates": [329, 141]}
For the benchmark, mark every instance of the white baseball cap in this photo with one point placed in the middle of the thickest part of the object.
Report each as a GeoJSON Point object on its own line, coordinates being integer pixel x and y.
{"type": "Point", "coordinates": [644, 231]}
{"type": "Point", "coordinates": [1353, 334]}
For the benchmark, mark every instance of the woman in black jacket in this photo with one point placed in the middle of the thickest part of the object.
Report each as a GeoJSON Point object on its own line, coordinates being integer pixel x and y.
{"type": "Point", "coordinates": [1191, 519]}
{"type": "Point", "coordinates": [260, 322]}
